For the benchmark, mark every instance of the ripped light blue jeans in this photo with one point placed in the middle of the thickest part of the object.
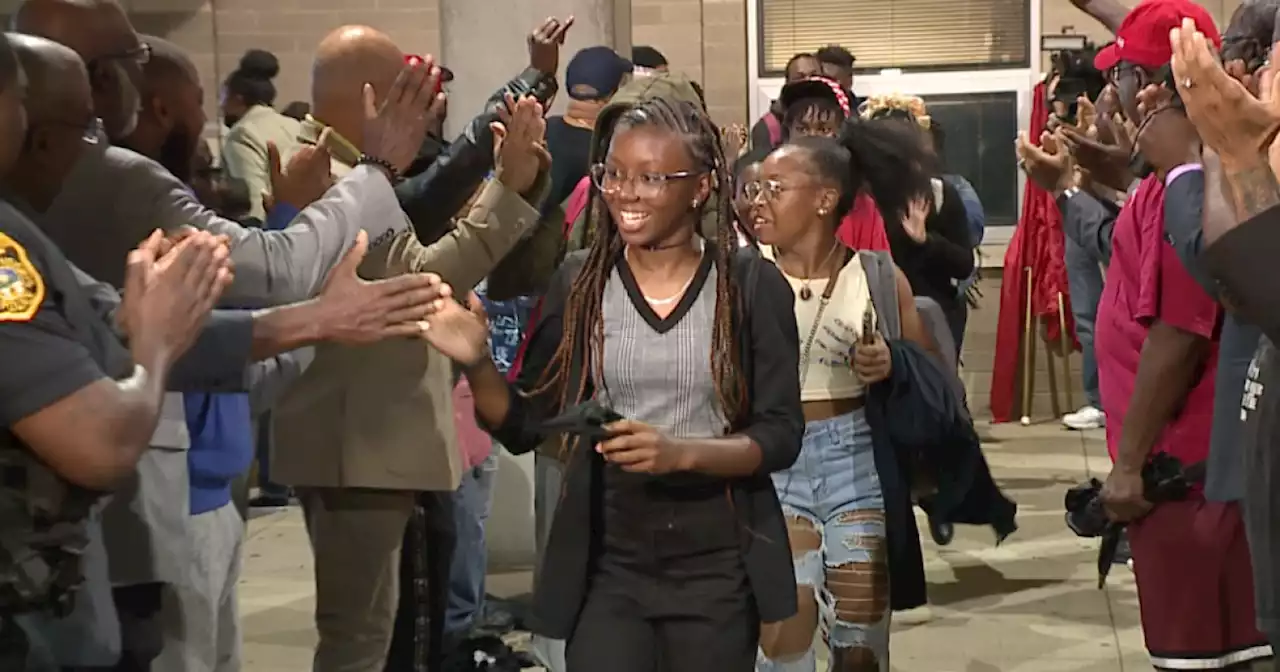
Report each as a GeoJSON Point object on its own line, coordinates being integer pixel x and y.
{"type": "Point", "coordinates": [834, 487]}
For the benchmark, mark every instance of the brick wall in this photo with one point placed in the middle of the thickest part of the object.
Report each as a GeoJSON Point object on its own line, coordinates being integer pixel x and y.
{"type": "Point", "coordinates": [705, 39]}
{"type": "Point", "coordinates": [217, 32]}
{"type": "Point", "coordinates": [1058, 14]}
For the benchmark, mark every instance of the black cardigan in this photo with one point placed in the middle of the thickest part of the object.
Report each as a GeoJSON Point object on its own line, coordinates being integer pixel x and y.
{"type": "Point", "coordinates": [945, 256]}
{"type": "Point", "coordinates": [1242, 262]}
{"type": "Point", "coordinates": [769, 347]}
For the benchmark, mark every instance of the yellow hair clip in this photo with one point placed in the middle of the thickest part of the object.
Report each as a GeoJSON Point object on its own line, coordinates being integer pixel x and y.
{"type": "Point", "coordinates": [912, 105]}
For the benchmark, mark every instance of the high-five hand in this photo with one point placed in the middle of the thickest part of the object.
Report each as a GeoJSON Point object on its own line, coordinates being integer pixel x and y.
{"type": "Point", "coordinates": [518, 150]}
{"type": "Point", "coordinates": [356, 311]}
{"type": "Point", "coordinates": [545, 42]}
{"type": "Point", "coordinates": [394, 131]}
{"type": "Point", "coordinates": [306, 178]}
{"type": "Point", "coordinates": [461, 333]}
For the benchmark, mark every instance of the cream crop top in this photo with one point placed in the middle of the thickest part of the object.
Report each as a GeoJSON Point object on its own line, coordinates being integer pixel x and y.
{"type": "Point", "coordinates": [828, 374]}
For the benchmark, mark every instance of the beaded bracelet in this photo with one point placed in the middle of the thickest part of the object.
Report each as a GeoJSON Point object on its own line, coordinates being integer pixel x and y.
{"type": "Point", "coordinates": [366, 159]}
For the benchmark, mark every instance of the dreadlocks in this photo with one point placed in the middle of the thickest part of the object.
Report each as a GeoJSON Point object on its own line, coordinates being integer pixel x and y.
{"type": "Point", "coordinates": [583, 309]}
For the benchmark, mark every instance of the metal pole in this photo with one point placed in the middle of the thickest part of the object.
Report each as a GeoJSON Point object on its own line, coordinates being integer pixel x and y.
{"type": "Point", "coordinates": [1028, 352]}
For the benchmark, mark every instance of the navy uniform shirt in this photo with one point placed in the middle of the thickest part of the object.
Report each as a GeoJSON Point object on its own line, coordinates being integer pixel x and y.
{"type": "Point", "coordinates": [55, 328]}
{"type": "Point", "coordinates": [55, 338]}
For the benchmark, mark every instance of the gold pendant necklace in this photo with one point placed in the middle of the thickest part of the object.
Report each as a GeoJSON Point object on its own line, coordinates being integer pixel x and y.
{"type": "Point", "coordinates": [806, 292]}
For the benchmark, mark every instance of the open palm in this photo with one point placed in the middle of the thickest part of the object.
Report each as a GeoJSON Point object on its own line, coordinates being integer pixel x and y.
{"type": "Point", "coordinates": [459, 332]}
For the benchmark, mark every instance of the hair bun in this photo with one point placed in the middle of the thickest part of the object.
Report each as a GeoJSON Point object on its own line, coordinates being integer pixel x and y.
{"type": "Point", "coordinates": [259, 64]}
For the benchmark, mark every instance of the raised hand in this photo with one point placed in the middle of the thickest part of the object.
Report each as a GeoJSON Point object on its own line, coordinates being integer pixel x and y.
{"type": "Point", "coordinates": [460, 333]}
{"type": "Point", "coordinates": [1086, 115]}
{"type": "Point", "coordinates": [394, 130]}
{"type": "Point", "coordinates": [1238, 126]}
{"type": "Point", "coordinates": [545, 42]}
{"type": "Point", "coordinates": [169, 290]}
{"type": "Point", "coordinates": [519, 154]}
{"type": "Point", "coordinates": [913, 223]}
{"type": "Point", "coordinates": [306, 178]}
{"type": "Point", "coordinates": [355, 311]}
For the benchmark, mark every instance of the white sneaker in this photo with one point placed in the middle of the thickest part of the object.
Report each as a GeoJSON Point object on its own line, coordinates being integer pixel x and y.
{"type": "Point", "coordinates": [1085, 418]}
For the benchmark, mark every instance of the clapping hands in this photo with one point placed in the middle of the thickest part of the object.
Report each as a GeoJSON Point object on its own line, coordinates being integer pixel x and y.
{"type": "Point", "coordinates": [1240, 127]}
{"type": "Point", "coordinates": [170, 287]}
{"type": "Point", "coordinates": [1048, 165]}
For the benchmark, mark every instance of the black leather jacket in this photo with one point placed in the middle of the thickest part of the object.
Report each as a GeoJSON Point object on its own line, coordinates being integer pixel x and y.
{"type": "Point", "coordinates": [435, 190]}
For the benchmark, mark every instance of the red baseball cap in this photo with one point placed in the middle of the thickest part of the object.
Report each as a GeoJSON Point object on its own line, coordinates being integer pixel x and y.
{"type": "Point", "coordinates": [1143, 38]}
{"type": "Point", "coordinates": [446, 75]}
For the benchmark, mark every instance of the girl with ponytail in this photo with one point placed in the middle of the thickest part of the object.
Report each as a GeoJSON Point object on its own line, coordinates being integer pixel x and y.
{"type": "Point", "coordinates": [832, 496]}
{"type": "Point", "coordinates": [931, 240]}
{"type": "Point", "coordinates": [668, 547]}
{"type": "Point", "coordinates": [818, 107]}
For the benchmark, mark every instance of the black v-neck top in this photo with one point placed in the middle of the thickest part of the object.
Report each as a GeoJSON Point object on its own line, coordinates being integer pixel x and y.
{"type": "Point", "coordinates": [768, 347]}
{"type": "Point", "coordinates": [622, 273]}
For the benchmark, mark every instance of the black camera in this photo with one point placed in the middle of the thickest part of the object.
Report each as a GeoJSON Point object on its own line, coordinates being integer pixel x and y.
{"type": "Point", "coordinates": [1075, 76]}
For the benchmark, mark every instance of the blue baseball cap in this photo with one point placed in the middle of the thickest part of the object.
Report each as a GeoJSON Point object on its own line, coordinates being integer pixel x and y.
{"type": "Point", "coordinates": [595, 73]}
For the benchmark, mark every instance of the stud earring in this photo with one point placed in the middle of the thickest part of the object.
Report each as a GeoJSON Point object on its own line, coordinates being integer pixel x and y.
{"type": "Point", "coordinates": [695, 204]}
{"type": "Point", "coordinates": [822, 212]}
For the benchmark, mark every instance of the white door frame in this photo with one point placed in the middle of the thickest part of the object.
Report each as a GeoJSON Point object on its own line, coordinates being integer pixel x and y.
{"type": "Point", "coordinates": [1021, 81]}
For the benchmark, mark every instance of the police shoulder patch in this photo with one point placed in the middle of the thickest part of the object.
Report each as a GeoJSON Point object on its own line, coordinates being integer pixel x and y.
{"type": "Point", "coordinates": [21, 286]}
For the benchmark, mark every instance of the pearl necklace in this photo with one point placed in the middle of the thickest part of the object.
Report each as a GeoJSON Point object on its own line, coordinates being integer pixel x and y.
{"type": "Point", "coordinates": [702, 248]}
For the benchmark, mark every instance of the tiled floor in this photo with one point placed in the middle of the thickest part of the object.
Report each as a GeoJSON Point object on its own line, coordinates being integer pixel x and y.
{"type": "Point", "coordinates": [1031, 605]}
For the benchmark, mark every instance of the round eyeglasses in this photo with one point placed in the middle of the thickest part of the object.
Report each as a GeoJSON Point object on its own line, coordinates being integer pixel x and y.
{"type": "Point", "coordinates": [610, 180]}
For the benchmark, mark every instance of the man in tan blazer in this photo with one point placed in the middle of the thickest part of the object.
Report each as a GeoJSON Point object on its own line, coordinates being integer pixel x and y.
{"type": "Point", "coordinates": [366, 429]}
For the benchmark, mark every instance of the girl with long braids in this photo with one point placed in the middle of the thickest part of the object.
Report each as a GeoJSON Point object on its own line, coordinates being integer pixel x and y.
{"type": "Point", "coordinates": [832, 496]}
{"type": "Point", "coordinates": [668, 547]}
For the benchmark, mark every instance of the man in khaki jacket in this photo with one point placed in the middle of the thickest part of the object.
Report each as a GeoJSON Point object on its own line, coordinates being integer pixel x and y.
{"type": "Point", "coordinates": [366, 429]}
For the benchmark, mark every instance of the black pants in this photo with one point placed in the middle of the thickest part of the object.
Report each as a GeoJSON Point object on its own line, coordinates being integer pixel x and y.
{"type": "Point", "coordinates": [417, 643]}
{"type": "Point", "coordinates": [695, 614]}
{"type": "Point", "coordinates": [957, 320]}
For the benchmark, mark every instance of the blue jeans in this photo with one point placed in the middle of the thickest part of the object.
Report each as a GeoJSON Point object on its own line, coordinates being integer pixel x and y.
{"type": "Point", "coordinates": [1084, 280]}
{"type": "Point", "coordinates": [835, 487]}
{"type": "Point", "coordinates": [472, 501]}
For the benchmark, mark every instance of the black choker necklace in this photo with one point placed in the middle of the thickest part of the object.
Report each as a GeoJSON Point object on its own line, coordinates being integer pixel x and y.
{"type": "Point", "coordinates": [655, 247]}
